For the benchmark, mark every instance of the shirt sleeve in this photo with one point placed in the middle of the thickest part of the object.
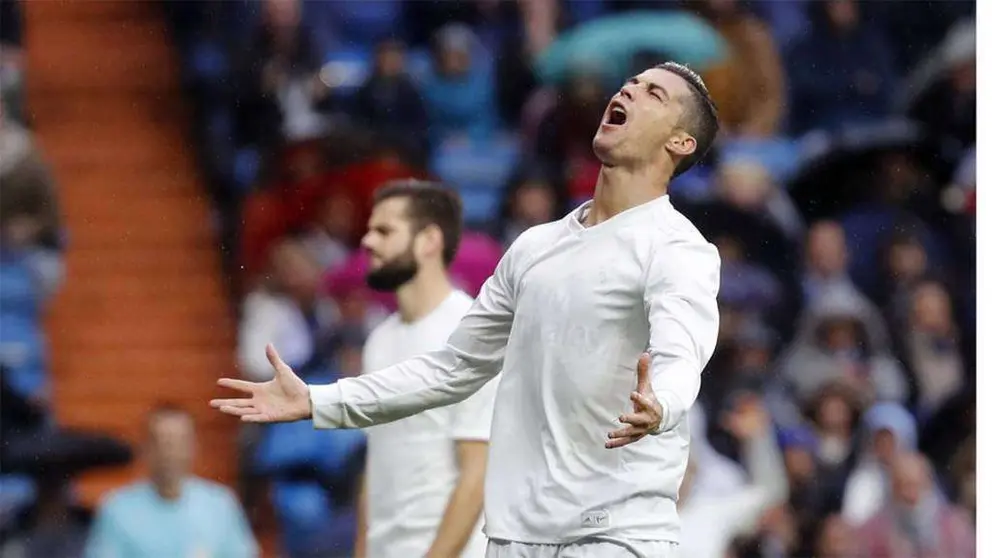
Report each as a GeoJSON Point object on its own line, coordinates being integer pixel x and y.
{"type": "Point", "coordinates": [472, 357]}
{"type": "Point", "coordinates": [472, 419]}
{"type": "Point", "coordinates": [680, 300]}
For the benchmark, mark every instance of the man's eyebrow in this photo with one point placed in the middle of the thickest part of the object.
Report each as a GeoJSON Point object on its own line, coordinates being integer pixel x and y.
{"type": "Point", "coordinates": [651, 87]}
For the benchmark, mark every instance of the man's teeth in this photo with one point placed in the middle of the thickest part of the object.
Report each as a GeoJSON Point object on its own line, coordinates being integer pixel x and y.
{"type": "Point", "coordinates": [617, 116]}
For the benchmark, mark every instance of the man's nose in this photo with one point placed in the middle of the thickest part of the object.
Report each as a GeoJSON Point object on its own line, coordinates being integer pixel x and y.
{"type": "Point", "coordinates": [627, 91]}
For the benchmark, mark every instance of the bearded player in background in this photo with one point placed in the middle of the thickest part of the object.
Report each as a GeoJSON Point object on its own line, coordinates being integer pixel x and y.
{"type": "Point", "coordinates": [422, 490]}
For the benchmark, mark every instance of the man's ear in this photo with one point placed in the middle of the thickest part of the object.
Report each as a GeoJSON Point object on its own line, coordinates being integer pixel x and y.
{"type": "Point", "coordinates": [681, 144]}
{"type": "Point", "coordinates": [431, 240]}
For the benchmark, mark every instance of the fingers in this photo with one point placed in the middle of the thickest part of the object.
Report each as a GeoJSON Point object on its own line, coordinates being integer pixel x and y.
{"type": "Point", "coordinates": [235, 407]}
{"type": "Point", "coordinates": [237, 385]}
{"type": "Point", "coordinates": [614, 443]}
{"type": "Point", "coordinates": [627, 432]}
{"type": "Point", "coordinates": [257, 418]}
{"type": "Point", "coordinates": [644, 373]}
{"type": "Point", "coordinates": [239, 403]}
{"type": "Point", "coordinates": [276, 362]}
{"type": "Point", "coordinates": [640, 426]}
{"type": "Point", "coordinates": [638, 419]}
{"type": "Point", "coordinates": [243, 412]}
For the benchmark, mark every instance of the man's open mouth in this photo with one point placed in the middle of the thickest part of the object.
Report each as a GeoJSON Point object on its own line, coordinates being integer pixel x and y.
{"type": "Point", "coordinates": [616, 115]}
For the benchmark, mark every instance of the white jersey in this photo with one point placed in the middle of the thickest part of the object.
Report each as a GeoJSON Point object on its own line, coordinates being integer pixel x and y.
{"type": "Point", "coordinates": [412, 467]}
{"type": "Point", "coordinates": [565, 316]}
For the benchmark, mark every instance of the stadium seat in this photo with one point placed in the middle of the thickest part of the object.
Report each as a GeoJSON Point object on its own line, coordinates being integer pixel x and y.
{"type": "Point", "coordinates": [23, 349]}
{"type": "Point", "coordinates": [311, 524]}
{"type": "Point", "coordinates": [287, 447]}
{"type": "Point", "coordinates": [207, 62]}
{"type": "Point", "coordinates": [479, 170]}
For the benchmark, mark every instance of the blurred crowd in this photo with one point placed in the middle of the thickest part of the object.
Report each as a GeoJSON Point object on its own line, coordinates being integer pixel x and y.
{"type": "Point", "coordinates": [30, 273]}
{"type": "Point", "coordinates": [836, 418]}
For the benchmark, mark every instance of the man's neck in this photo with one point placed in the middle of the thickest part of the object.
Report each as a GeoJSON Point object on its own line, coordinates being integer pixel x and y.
{"type": "Point", "coordinates": [422, 294]}
{"type": "Point", "coordinates": [169, 489]}
{"type": "Point", "coordinates": [619, 189]}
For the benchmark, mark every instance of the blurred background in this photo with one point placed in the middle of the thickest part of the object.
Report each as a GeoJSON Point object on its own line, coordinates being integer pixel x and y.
{"type": "Point", "coordinates": [183, 182]}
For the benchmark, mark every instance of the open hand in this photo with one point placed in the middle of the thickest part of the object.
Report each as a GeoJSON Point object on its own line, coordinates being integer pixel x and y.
{"type": "Point", "coordinates": [284, 398]}
{"type": "Point", "coordinates": [646, 418]}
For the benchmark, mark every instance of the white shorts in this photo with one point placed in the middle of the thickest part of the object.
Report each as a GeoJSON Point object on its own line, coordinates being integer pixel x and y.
{"type": "Point", "coordinates": [600, 547]}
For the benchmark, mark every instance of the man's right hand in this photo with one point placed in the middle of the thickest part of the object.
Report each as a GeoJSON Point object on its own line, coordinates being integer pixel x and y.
{"type": "Point", "coordinates": [284, 398]}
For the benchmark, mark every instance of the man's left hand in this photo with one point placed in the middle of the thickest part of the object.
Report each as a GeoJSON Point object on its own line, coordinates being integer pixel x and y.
{"type": "Point", "coordinates": [647, 414]}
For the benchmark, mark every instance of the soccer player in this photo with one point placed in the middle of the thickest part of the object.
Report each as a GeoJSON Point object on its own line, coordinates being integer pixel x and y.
{"type": "Point", "coordinates": [589, 439]}
{"type": "Point", "coordinates": [422, 491]}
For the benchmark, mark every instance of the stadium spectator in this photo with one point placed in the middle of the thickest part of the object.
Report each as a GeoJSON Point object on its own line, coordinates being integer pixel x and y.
{"type": "Point", "coordinates": [932, 348]}
{"type": "Point", "coordinates": [531, 198]}
{"type": "Point", "coordinates": [288, 310]}
{"type": "Point", "coordinates": [391, 103]}
{"type": "Point", "coordinates": [710, 522]}
{"type": "Point", "coordinates": [280, 89]}
{"type": "Point", "coordinates": [826, 259]}
{"type": "Point", "coordinates": [459, 93]}
{"type": "Point", "coordinates": [843, 338]}
{"type": "Point", "coordinates": [917, 520]}
{"type": "Point", "coordinates": [173, 513]}
{"type": "Point", "coordinates": [12, 59]}
{"type": "Point", "coordinates": [31, 269]}
{"type": "Point", "coordinates": [750, 90]}
{"type": "Point", "coordinates": [842, 71]}
{"type": "Point", "coordinates": [890, 430]}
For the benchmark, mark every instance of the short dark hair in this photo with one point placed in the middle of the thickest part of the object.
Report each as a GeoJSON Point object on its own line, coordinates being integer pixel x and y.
{"type": "Point", "coordinates": [700, 119]}
{"type": "Point", "coordinates": [429, 203]}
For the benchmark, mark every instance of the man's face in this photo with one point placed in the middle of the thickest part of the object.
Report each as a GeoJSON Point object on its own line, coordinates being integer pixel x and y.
{"type": "Point", "coordinates": [910, 480]}
{"type": "Point", "coordinates": [390, 60]}
{"type": "Point", "coordinates": [799, 464]}
{"type": "Point", "coordinates": [170, 446]}
{"type": "Point", "coordinates": [836, 539]}
{"type": "Point", "coordinates": [283, 15]}
{"type": "Point", "coordinates": [295, 271]}
{"type": "Point", "coordinates": [643, 119]}
{"type": "Point", "coordinates": [534, 204]}
{"type": "Point", "coordinates": [884, 446]}
{"type": "Point", "coordinates": [932, 309]}
{"type": "Point", "coordinates": [827, 249]}
{"type": "Point", "coordinates": [390, 244]}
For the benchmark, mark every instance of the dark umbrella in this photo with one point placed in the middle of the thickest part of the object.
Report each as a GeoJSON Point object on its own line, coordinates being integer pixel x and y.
{"type": "Point", "coordinates": [837, 169]}
{"type": "Point", "coordinates": [763, 242]}
{"type": "Point", "coordinates": [52, 452]}
{"type": "Point", "coordinates": [33, 448]}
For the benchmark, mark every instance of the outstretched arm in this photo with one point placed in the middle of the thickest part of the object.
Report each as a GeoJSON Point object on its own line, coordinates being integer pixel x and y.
{"type": "Point", "coordinates": [472, 357]}
{"type": "Point", "coordinates": [680, 293]}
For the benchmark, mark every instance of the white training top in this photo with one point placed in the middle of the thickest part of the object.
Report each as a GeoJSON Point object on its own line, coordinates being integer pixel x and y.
{"type": "Point", "coordinates": [411, 465]}
{"type": "Point", "coordinates": [566, 315]}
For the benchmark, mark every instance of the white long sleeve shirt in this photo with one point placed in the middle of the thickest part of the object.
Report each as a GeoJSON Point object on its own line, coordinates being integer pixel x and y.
{"type": "Point", "coordinates": [565, 316]}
